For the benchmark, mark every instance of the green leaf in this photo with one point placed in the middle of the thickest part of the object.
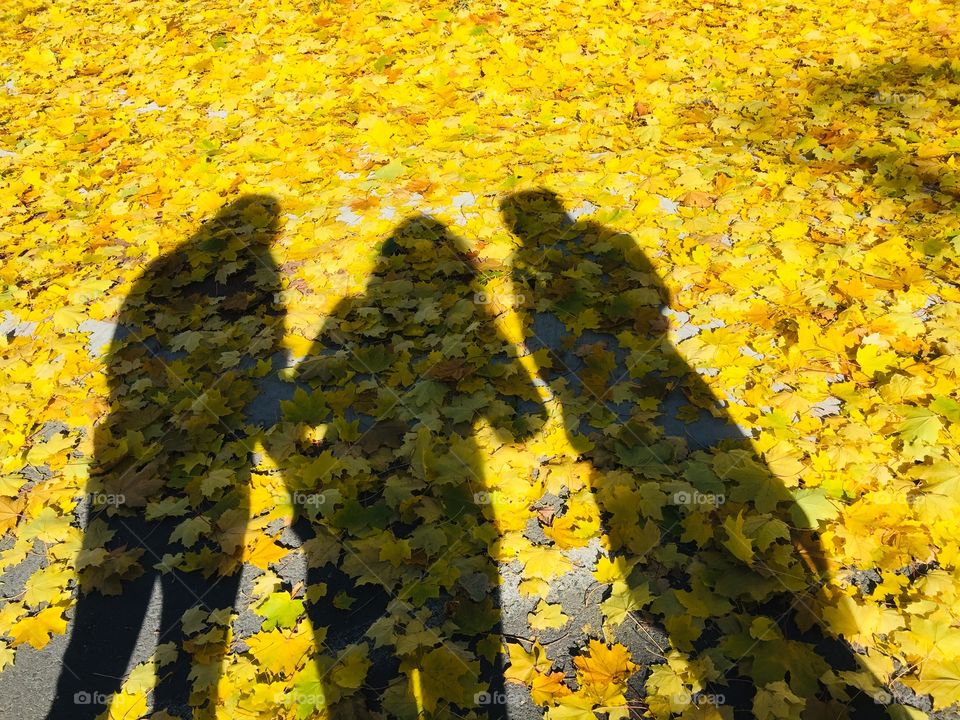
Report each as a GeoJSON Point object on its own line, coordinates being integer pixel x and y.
{"type": "Point", "coordinates": [367, 360]}
{"type": "Point", "coordinates": [812, 506]}
{"type": "Point", "coordinates": [752, 482]}
{"type": "Point", "coordinates": [651, 461]}
{"type": "Point", "coordinates": [920, 426]}
{"type": "Point", "coordinates": [304, 407]}
{"type": "Point", "coordinates": [946, 406]}
{"type": "Point", "coordinates": [383, 62]}
{"type": "Point", "coordinates": [390, 171]}
{"type": "Point", "coordinates": [280, 611]}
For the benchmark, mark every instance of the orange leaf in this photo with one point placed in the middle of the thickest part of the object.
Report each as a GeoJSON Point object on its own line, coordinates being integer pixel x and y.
{"type": "Point", "coordinates": [604, 665]}
{"type": "Point", "coordinates": [546, 688]}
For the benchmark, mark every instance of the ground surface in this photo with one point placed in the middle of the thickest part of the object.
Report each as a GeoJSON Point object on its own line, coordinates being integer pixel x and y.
{"type": "Point", "coordinates": [617, 337]}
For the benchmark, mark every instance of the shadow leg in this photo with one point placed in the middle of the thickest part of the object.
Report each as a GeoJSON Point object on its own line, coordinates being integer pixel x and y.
{"type": "Point", "coordinates": [105, 631]}
{"type": "Point", "coordinates": [337, 628]}
{"type": "Point", "coordinates": [183, 591]}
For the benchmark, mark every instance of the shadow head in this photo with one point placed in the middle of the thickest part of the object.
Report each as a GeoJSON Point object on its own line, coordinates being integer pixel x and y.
{"type": "Point", "coordinates": [554, 246]}
{"type": "Point", "coordinates": [421, 247]}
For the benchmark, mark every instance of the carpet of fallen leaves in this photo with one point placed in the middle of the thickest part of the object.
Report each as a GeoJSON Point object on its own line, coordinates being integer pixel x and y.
{"type": "Point", "coordinates": [789, 169]}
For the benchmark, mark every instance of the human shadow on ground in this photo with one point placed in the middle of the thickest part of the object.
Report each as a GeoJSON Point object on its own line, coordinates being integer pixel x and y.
{"type": "Point", "coordinates": [168, 492]}
{"type": "Point", "coordinates": [404, 379]}
{"type": "Point", "coordinates": [731, 559]}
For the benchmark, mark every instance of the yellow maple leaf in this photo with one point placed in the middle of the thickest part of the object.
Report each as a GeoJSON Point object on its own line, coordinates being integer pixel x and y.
{"type": "Point", "coordinates": [39, 60]}
{"type": "Point", "coordinates": [543, 563]}
{"type": "Point", "coordinates": [790, 230]}
{"type": "Point", "coordinates": [10, 513]}
{"type": "Point", "coordinates": [534, 587]}
{"type": "Point", "coordinates": [604, 664]}
{"type": "Point", "coordinates": [352, 666]}
{"type": "Point", "coordinates": [523, 665]}
{"type": "Point", "coordinates": [624, 600]}
{"type": "Point", "coordinates": [737, 542]}
{"type": "Point", "coordinates": [126, 705]}
{"type": "Point", "coordinates": [37, 629]}
{"type": "Point", "coordinates": [47, 585]}
{"type": "Point", "coordinates": [941, 679]}
{"type": "Point", "coordinates": [7, 656]}
{"type": "Point", "coordinates": [395, 551]}
{"type": "Point", "coordinates": [573, 706]}
{"type": "Point", "coordinates": [263, 551]}
{"type": "Point", "coordinates": [873, 360]}
{"type": "Point", "coordinates": [68, 318]}
{"type": "Point", "coordinates": [280, 652]}
{"type": "Point", "coordinates": [436, 678]}
{"type": "Point", "coordinates": [612, 569]}
{"type": "Point", "coordinates": [547, 617]}
{"type": "Point", "coordinates": [547, 687]}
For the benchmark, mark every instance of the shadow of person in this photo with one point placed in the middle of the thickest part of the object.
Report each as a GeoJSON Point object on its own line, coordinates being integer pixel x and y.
{"type": "Point", "coordinates": [413, 385]}
{"type": "Point", "coordinates": [732, 562]}
{"type": "Point", "coordinates": [168, 485]}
